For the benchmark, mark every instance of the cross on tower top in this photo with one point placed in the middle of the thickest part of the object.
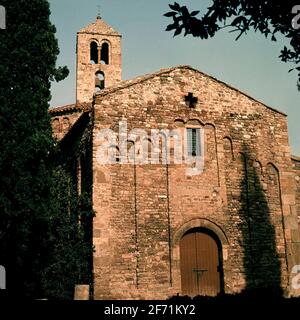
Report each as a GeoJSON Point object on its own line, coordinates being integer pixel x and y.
{"type": "Point", "coordinates": [191, 100]}
{"type": "Point", "coordinates": [99, 12]}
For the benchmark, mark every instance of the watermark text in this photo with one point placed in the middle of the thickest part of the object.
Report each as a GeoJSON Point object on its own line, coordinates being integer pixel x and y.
{"type": "Point", "coordinates": [2, 278]}
{"type": "Point", "coordinates": [296, 19]}
{"type": "Point", "coordinates": [157, 146]}
{"type": "Point", "coordinates": [296, 279]}
{"type": "Point", "coordinates": [2, 17]}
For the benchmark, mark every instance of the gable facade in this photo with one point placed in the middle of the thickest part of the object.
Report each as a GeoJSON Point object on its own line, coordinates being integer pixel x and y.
{"type": "Point", "coordinates": [193, 186]}
{"type": "Point", "coordinates": [144, 210]}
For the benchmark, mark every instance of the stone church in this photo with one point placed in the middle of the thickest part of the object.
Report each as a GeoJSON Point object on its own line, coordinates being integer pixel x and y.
{"type": "Point", "coordinates": [162, 226]}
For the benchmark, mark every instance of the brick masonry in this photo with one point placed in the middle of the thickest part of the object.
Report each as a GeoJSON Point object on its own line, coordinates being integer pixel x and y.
{"type": "Point", "coordinates": [247, 189]}
{"type": "Point", "coordinates": [100, 33]}
{"type": "Point", "coordinates": [248, 193]}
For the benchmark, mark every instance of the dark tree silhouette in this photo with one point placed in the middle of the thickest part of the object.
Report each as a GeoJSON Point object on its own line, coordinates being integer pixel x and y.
{"type": "Point", "coordinates": [42, 245]}
{"type": "Point", "coordinates": [271, 18]}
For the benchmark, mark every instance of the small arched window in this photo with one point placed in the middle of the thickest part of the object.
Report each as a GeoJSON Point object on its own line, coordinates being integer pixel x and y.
{"type": "Point", "coordinates": [66, 124]}
{"type": "Point", "coordinates": [94, 52]}
{"type": "Point", "coordinates": [105, 53]}
{"type": "Point", "coordinates": [99, 81]}
{"type": "Point", "coordinates": [56, 126]}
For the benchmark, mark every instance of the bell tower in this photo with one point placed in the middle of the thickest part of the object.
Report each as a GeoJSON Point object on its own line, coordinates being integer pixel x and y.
{"type": "Point", "coordinates": [99, 60]}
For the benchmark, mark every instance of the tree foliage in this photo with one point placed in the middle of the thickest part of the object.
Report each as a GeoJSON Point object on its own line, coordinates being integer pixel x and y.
{"type": "Point", "coordinates": [271, 18]}
{"type": "Point", "coordinates": [38, 231]}
{"type": "Point", "coordinates": [68, 250]}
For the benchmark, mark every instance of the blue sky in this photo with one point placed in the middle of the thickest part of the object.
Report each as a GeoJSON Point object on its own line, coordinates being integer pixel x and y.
{"type": "Point", "coordinates": [250, 64]}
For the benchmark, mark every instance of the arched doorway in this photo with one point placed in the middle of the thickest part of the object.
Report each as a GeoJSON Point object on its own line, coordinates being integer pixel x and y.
{"type": "Point", "coordinates": [201, 263]}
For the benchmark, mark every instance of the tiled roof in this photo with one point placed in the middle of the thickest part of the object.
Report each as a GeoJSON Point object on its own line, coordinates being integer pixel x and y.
{"type": "Point", "coordinates": [69, 108]}
{"type": "Point", "coordinates": [99, 27]}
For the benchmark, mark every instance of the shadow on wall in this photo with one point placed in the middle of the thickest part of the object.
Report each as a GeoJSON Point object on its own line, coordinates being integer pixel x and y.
{"type": "Point", "coordinates": [258, 212]}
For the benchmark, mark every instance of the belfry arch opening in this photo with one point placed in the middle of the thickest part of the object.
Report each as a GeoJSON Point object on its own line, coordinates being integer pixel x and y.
{"type": "Point", "coordinates": [104, 54]}
{"type": "Point", "coordinates": [99, 81]}
{"type": "Point", "coordinates": [94, 53]}
{"type": "Point", "coordinates": [201, 263]}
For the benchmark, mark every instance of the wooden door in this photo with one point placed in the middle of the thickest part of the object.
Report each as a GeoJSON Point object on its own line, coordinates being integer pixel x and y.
{"type": "Point", "coordinates": [199, 264]}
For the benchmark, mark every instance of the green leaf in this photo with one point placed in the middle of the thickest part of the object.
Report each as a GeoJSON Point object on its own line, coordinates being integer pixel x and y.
{"type": "Point", "coordinates": [175, 6]}
{"type": "Point", "coordinates": [238, 21]}
{"type": "Point", "coordinates": [170, 14]}
{"type": "Point", "coordinates": [194, 13]}
{"type": "Point", "coordinates": [171, 27]}
{"type": "Point", "coordinates": [178, 31]}
{"type": "Point", "coordinates": [185, 12]}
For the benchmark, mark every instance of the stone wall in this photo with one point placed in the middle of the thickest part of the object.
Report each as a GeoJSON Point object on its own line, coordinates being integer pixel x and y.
{"type": "Point", "coordinates": [62, 122]}
{"type": "Point", "coordinates": [295, 234]}
{"type": "Point", "coordinates": [246, 193]}
{"type": "Point", "coordinates": [296, 166]}
{"type": "Point", "coordinates": [86, 70]}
